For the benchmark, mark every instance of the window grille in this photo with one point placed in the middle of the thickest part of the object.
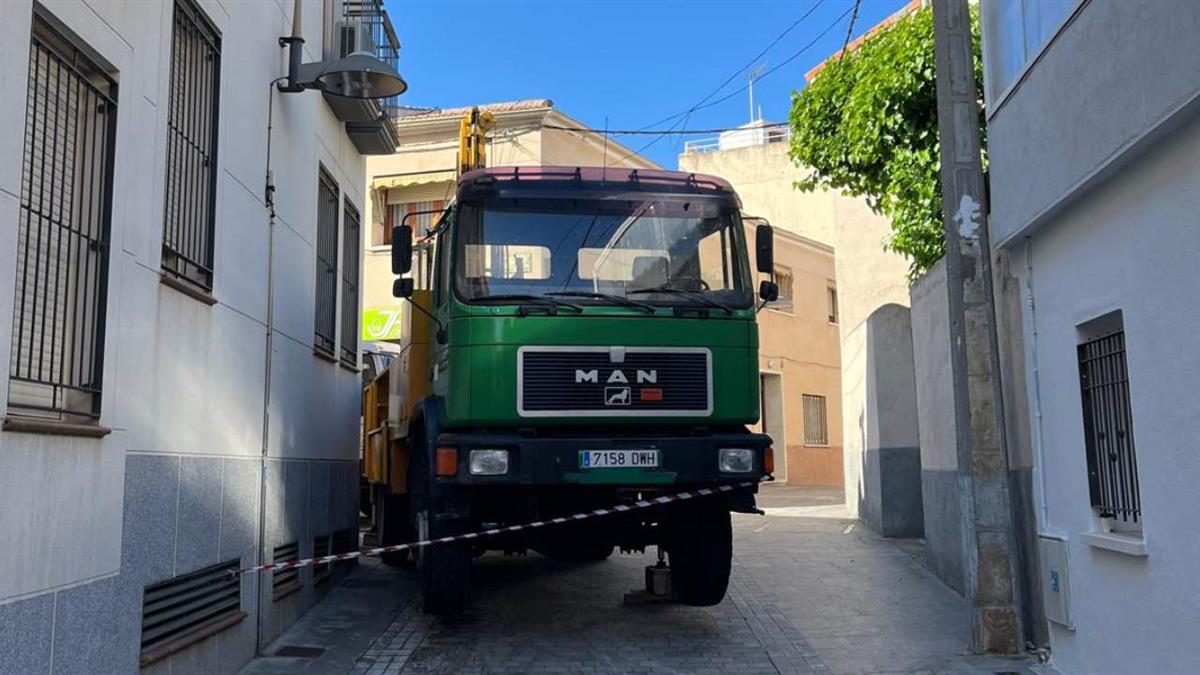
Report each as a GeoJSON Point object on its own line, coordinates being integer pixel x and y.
{"type": "Point", "coordinates": [189, 218]}
{"type": "Point", "coordinates": [1108, 428]}
{"type": "Point", "coordinates": [351, 228]}
{"type": "Point", "coordinates": [186, 609]}
{"type": "Point", "coordinates": [328, 199]}
{"type": "Point", "coordinates": [816, 429]}
{"type": "Point", "coordinates": [285, 582]}
{"type": "Point", "coordinates": [783, 278]}
{"type": "Point", "coordinates": [833, 305]}
{"type": "Point", "coordinates": [63, 226]}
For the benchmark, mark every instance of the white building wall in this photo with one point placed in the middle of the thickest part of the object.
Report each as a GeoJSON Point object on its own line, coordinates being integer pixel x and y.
{"type": "Point", "coordinates": [183, 386]}
{"type": "Point", "coordinates": [1131, 245]}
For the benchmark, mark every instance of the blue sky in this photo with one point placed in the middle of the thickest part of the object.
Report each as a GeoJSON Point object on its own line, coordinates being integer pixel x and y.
{"type": "Point", "coordinates": [634, 62]}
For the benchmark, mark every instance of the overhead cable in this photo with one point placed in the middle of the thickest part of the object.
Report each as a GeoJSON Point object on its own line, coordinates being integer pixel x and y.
{"type": "Point", "coordinates": [709, 104]}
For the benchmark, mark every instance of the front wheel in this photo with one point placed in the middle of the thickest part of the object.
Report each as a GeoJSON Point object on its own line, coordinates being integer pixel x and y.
{"type": "Point", "coordinates": [701, 554]}
{"type": "Point", "coordinates": [444, 569]}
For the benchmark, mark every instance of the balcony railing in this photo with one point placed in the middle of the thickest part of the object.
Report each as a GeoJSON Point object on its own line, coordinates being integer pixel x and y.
{"type": "Point", "coordinates": [365, 26]}
{"type": "Point", "coordinates": [739, 138]}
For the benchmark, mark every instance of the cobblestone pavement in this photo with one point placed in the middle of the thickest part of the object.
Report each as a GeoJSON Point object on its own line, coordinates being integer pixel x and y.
{"type": "Point", "coordinates": [811, 592]}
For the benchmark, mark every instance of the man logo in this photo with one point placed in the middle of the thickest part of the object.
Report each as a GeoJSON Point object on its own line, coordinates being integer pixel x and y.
{"type": "Point", "coordinates": [616, 396]}
{"type": "Point", "coordinates": [616, 377]}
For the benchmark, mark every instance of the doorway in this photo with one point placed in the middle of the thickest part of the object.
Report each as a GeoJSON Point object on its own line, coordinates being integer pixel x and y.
{"type": "Point", "coordinates": [771, 421]}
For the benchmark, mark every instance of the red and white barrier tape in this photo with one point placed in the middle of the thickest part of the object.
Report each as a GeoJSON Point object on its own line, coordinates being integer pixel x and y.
{"type": "Point", "coordinates": [595, 513]}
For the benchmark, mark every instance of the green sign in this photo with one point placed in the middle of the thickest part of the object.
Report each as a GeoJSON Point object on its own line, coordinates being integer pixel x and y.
{"type": "Point", "coordinates": [381, 323]}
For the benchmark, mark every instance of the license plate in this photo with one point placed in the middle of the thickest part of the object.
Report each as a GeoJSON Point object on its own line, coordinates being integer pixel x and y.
{"type": "Point", "coordinates": [614, 459]}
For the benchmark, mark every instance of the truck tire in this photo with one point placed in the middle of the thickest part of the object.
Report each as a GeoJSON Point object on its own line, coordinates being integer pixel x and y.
{"type": "Point", "coordinates": [392, 525]}
{"type": "Point", "coordinates": [444, 569]}
{"type": "Point", "coordinates": [701, 554]}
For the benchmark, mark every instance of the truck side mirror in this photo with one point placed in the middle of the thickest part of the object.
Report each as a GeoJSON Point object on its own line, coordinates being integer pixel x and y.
{"type": "Point", "coordinates": [402, 287]}
{"type": "Point", "coordinates": [402, 251]}
{"type": "Point", "coordinates": [768, 291]}
{"type": "Point", "coordinates": [764, 248]}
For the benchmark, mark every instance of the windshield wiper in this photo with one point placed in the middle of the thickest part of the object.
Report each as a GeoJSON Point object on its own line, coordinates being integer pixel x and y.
{"type": "Point", "coordinates": [535, 299]}
{"type": "Point", "coordinates": [690, 294]}
{"type": "Point", "coordinates": [615, 299]}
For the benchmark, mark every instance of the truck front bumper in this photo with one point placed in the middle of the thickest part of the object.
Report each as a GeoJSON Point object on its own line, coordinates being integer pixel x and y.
{"type": "Point", "coordinates": [683, 460]}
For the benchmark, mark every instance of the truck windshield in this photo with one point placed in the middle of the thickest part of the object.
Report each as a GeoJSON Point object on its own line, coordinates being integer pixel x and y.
{"type": "Point", "coordinates": [669, 251]}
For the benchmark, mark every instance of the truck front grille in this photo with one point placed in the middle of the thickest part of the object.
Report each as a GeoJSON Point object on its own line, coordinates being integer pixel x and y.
{"type": "Point", "coordinates": [614, 382]}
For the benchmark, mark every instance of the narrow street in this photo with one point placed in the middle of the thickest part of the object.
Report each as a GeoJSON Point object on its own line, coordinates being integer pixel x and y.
{"type": "Point", "coordinates": [812, 592]}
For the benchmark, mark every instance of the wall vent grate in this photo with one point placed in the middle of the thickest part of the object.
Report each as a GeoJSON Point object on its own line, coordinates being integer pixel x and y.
{"type": "Point", "coordinates": [322, 546]}
{"type": "Point", "coordinates": [345, 541]}
{"type": "Point", "coordinates": [285, 582]}
{"type": "Point", "coordinates": [185, 609]}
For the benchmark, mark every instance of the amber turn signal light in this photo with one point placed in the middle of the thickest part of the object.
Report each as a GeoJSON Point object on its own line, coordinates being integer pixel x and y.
{"type": "Point", "coordinates": [769, 461]}
{"type": "Point", "coordinates": [447, 461]}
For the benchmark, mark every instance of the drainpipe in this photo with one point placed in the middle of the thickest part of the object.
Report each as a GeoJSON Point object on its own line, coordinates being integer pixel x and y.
{"type": "Point", "coordinates": [1040, 449]}
{"type": "Point", "coordinates": [269, 202]}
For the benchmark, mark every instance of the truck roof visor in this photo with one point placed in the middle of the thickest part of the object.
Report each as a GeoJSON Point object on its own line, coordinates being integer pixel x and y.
{"type": "Point", "coordinates": [589, 183]}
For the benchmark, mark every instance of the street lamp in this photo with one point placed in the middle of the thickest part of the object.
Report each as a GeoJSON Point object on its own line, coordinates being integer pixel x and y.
{"type": "Point", "coordinates": [360, 75]}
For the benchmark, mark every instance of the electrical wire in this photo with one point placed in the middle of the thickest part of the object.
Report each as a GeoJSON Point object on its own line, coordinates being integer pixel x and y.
{"type": "Point", "coordinates": [849, 31]}
{"type": "Point", "coordinates": [646, 132]}
{"type": "Point", "coordinates": [684, 116]}
{"type": "Point", "coordinates": [741, 70]}
{"type": "Point", "coordinates": [710, 104]}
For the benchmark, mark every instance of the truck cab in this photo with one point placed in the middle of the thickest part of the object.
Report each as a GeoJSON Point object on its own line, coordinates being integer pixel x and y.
{"type": "Point", "coordinates": [579, 338]}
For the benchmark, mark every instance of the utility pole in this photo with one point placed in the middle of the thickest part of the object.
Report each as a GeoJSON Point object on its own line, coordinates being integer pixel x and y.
{"type": "Point", "coordinates": [989, 542]}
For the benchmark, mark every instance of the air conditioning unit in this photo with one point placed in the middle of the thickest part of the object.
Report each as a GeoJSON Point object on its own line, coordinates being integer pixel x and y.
{"type": "Point", "coordinates": [354, 36]}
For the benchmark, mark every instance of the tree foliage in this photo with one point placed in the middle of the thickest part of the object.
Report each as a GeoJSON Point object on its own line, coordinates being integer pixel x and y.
{"type": "Point", "coordinates": [867, 125]}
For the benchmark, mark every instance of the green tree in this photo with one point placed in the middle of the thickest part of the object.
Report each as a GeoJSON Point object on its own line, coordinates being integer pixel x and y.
{"type": "Point", "coordinates": [867, 125]}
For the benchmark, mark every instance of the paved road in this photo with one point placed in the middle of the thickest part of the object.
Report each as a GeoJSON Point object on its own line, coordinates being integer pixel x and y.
{"type": "Point", "coordinates": [812, 592]}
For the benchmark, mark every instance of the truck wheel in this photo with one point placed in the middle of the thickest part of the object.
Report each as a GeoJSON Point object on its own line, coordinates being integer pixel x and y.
{"type": "Point", "coordinates": [701, 554]}
{"type": "Point", "coordinates": [392, 525]}
{"type": "Point", "coordinates": [445, 569]}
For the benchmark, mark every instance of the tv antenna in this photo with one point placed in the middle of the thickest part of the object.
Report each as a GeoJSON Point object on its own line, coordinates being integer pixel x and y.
{"type": "Point", "coordinates": [754, 75]}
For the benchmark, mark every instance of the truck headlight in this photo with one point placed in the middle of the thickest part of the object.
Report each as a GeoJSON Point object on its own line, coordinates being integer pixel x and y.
{"type": "Point", "coordinates": [489, 462]}
{"type": "Point", "coordinates": [736, 460]}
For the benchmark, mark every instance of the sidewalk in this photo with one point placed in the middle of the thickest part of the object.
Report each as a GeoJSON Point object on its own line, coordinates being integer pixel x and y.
{"type": "Point", "coordinates": [812, 592]}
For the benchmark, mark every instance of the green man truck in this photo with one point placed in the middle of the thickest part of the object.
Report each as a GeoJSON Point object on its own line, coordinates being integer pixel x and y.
{"type": "Point", "coordinates": [579, 338]}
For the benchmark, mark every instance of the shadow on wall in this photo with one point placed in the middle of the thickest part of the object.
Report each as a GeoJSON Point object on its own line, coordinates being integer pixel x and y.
{"type": "Point", "coordinates": [890, 500]}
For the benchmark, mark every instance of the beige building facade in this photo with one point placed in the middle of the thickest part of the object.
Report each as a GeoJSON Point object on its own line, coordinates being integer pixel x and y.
{"type": "Point", "coordinates": [840, 276]}
{"type": "Point", "coordinates": [799, 376]}
{"type": "Point", "coordinates": [420, 177]}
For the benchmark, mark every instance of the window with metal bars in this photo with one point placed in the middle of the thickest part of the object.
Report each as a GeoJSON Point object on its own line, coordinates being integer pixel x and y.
{"type": "Point", "coordinates": [783, 278]}
{"type": "Point", "coordinates": [1108, 424]}
{"type": "Point", "coordinates": [816, 428]}
{"type": "Point", "coordinates": [185, 609]}
{"type": "Point", "coordinates": [351, 228]}
{"type": "Point", "coordinates": [64, 217]}
{"type": "Point", "coordinates": [189, 217]}
{"type": "Point", "coordinates": [328, 202]}
{"type": "Point", "coordinates": [285, 582]}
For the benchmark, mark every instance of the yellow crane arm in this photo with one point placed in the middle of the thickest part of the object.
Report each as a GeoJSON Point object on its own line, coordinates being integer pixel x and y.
{"type": "Point", "coordinates": [472, 140]}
